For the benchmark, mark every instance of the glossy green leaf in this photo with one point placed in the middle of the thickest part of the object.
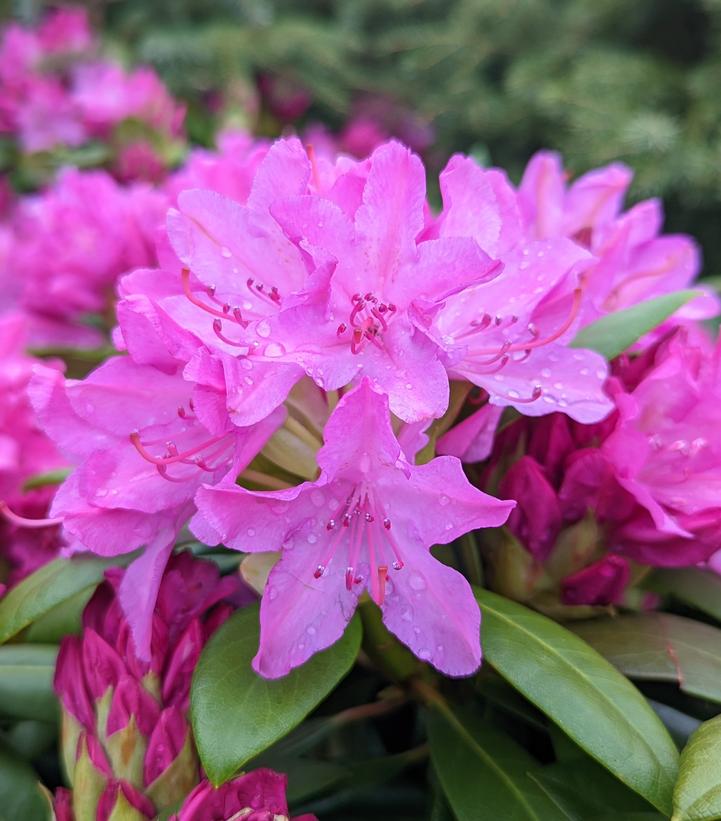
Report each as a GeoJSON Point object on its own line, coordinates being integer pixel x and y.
{"type": "Point", "coordinates": [20, 793]}
{"type": "Point", "coordinates": [660, 647]}
{"type": "Point", "coordinates": [484, 773]}
{"type": "Point", "coordinates": [697, 796]}
{"type": "Point", "coordinates": [236, 713]}
{"type": "Point", "coordinates": [691, 585]}
{"type": "Point", "coordinates": [48, 587]}
{"type": "Point", "coordinates": [614, 333]}
{"type": "Point", "coordinates": [583, 790]}
{"type": "Point", "coordinates": [583, 694]}
{"type": "Point", "coordinates": [26, 681]}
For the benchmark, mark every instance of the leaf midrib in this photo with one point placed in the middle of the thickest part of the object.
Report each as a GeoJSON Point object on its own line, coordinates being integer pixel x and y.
{"type": "Point", "coordinates": [620, 774]}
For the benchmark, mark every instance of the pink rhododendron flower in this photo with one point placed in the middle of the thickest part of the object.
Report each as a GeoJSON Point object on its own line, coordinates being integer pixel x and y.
{"type": "Point", "coordinates": [633, 263]}
{"type": "Point", "coordinates": [229, 170]}
{"type": "Point", "coordinates": [106, 95]}
{"type": "Point", "coordinates": [69, 244]}
{"type": "Point", "coordinates": [371, 315]}
{"type": "Point", "coordinates": [510, 335]}
{"type": "Point", "coordinates": [55, 92]}
{"type": "Point", "coordinates": [255, 796]}
{"type": "Point", "coordinates": [144, 440]}
{"type": "Point", "coordinates": [367, 522]}
{"type": "Point", "coordinates": [666, 454]}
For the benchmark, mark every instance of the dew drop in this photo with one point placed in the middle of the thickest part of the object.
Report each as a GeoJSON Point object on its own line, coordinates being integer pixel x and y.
{"type": "Point", "coordinates": [417, 582]}
{"type": "Point", "coordinates": [317, 497]}
{"type": "Point", "coordinates": [274, 349]}
{"type": "Point", "coordinates": [263, 329]}
{"type": "Point", "coordinates": [250, 531]}
{"type": "Point", "coordinates": [271, 593]}
{"type": "Point", "coordinates": [311, 631]}
{"type": "Point", "coordinates": [225, 252]}
{"type": "Point", "coordinates": [424, 654]}
{"type": "Point", "coordinates": [311, 538]}
{"type": "Point", "coordinates": [443, 500]}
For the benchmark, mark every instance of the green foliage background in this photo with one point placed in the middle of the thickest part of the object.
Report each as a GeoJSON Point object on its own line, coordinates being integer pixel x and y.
{"type": "Point", "coordinates": [609, 79]}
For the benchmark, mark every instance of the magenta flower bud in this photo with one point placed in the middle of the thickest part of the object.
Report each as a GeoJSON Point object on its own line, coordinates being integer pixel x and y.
{"type": "Point", "coordinates": [166, 743]}
{"type": "Point", "coordinates": [102, 665]}
{"type": "Point", "coordinates": [63, 805]}
{"type": "Point", "coordinates": [550, 442]}
{"type": "Point", "coordinates": [536, 521]}
{"type": "Point", "coordinates": [176, 682]}
{"type": "Point", "coordinates": [131, 700]}
{"type": "Point", "coordinates": [255, 796]}
{"type": "Point", "coordinates": [119, 799]}
{"type": "Point", "coordinates": [70, 683]}
{"type": "Point", "coordinates": [601, 583]}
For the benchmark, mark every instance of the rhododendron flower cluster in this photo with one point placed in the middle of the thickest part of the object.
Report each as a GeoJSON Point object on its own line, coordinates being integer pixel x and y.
{"type": "Point", "coordinates": [56, 91]}
{"type": "Point", "coordinates": [639, 488]}
{"type": "Point", "coordinates": [66, 247]}
{"type": "Point", "coordinates": [126, 737]}
{"type": "Point", "coordinates": [281, 366]}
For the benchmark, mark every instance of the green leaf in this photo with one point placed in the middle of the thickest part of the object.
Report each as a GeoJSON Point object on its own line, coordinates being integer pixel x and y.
{"type": "Point", "coordinates": [236, 713]}
{"type": "Point", "coordinates": [583, 694]}
{"type": "Point", "coordinates": [47, 587]}
{"type": "Point", "coordinates": [691, 585]}
{"type": "Point", "coordinates": [484, 773]}
{"type": "Point", "coordinates": [614, 333]}
{"type": "Point", "coordinates": [63, 620]}
{"type": "Point", "coordinates": [660, 647]}
{"type": "Point", "coordinates": [697, 796]}
{"type": "Point", "coordinates": [26, 681]}
{"type": "Point", "coordinates": [20, 792]}
{"type": "Point", "coordinates": [582, 790]}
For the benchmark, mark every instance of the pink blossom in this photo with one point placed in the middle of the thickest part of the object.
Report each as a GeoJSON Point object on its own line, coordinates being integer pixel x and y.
{"type": "Point", "coordinates": [106, 95]}
{"type": "Point", "coordinates": [144, 441]}
{"type": "Point", "coordinates": [256, 796]}
{"type": "Point", "coordinates": [634, 263]}
{"type": "Point", "coordinates": [371, 315]}
{"type": "Point", "coordinates": [665, 452]}
{"type": "Point", "coordinates": [229, 170]}
{"type": "Point", "coordinates": [510, 335]}
{"type": "Point", "coordinates": [68, 246]}
{"type": "Point", "coordinates": [65, 31]}
{"type": "Point", "coordinates": [367, 522]}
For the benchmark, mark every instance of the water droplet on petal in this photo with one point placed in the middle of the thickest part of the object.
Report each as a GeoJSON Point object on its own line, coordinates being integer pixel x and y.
{"type": "Point", "coordinates": [424, 654]}
{"type": "Point", "coordinates": [225, 252]}
{"type": "Point", "coordinates": [417, 582]}
{"type": "Point", "coordinates": [263, 329]}
{"type": "Point", "coordinates": [311, 538]}
{"type": "Point", "coordinates": [443, 500]}
{"type": "Point", "coordinates": [250, 531]}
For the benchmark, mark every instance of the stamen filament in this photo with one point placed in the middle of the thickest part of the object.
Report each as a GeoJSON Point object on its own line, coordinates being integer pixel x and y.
{"type": "Point", "coordinates": [22, 521]}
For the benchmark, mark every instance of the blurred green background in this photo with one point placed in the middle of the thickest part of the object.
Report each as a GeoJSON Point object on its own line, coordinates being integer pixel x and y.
{"type": "Point", "coordinates": [634, 80]}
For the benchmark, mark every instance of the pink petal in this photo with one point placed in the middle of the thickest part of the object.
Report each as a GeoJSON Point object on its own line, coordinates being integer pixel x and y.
{"type": "Point", "coordinates": [430, 608]}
